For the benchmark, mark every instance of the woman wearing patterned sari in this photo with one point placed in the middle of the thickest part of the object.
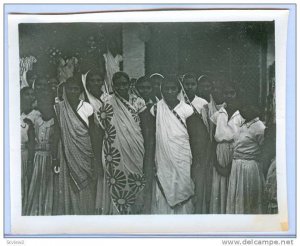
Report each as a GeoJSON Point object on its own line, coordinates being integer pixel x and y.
{"type": "Point", "coordinates": [75, 153]}
{"type": "Point", "coordinates": [174, 187]}
{"type": "Point", "coordinates": [123, 150]}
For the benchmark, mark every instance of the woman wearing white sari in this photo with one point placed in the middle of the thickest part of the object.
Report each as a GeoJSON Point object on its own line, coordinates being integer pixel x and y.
{"type": "Point", "coordinates": [174, 187]}
{"type": "Point", "coordinates": [123, 150]}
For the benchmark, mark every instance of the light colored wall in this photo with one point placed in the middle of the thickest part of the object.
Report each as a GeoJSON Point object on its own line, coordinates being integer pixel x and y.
{"type": "Point", "coordinates": [133, 51]}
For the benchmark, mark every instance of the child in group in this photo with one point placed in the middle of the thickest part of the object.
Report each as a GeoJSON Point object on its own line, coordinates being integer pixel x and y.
{"type": "Point", "coordinates": [40, 195]}
{"type": "Point", "coordinates": [28, 116]}
{"type": "Point", "coordinates": [227, 121]}
{"type": "Point", "coordinates": [42, 89]}
{"type": "Point", "coordinates": [246, 181]}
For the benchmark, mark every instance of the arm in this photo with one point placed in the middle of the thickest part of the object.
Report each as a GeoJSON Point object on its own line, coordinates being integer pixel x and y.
{"type": "Point", "coordinates": [223, 171]}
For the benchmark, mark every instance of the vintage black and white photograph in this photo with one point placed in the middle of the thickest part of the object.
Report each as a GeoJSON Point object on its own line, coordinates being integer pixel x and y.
{"type": "Point", "coordinates": [147, 117]}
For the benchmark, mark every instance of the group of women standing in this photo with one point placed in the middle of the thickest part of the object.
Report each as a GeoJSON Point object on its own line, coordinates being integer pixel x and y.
{"type": "Point", "coordinates": [164, 145]}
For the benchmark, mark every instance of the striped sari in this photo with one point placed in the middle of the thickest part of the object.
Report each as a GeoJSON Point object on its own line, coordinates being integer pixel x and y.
{"type": "Point", "coordinates": [76, 158]}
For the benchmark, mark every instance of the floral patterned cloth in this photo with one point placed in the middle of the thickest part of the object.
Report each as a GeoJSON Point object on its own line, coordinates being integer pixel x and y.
{"type": "Point", "coordinates": [122, 155]}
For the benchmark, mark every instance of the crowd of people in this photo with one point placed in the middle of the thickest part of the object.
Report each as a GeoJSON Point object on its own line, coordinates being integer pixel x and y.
{"type": "Point", "coordinates": [161, 144]}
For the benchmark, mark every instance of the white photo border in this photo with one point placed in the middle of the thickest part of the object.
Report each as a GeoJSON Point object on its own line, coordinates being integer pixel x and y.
{"type": "Point", "coordinates": [160, 224]}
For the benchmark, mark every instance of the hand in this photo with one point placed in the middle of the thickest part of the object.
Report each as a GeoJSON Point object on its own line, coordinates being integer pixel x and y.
{"type": "Point", "coordinates": [223, 171]}
{"type": "Point", "coordinates": [56, 167]}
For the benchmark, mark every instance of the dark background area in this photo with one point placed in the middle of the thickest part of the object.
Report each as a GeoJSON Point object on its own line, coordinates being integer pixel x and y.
{"type": "Point", "coordinates": [235, 51]}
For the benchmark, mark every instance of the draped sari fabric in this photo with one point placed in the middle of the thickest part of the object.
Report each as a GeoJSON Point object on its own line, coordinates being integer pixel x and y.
{"type": "Point", "coordinates": [173, 158]}
{"type": "Point", "coordinates": [123, 152]}
{"type": "Point", "coordinates": [97, 104]}
{"type": "Point", "coordinates": [198, 127]}
{"type": "Point", "coordinates": [76, 162]}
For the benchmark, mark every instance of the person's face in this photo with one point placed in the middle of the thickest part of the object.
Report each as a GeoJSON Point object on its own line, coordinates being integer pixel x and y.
{"type": "Point", "coordinates": [46, 107]}
{"type": "Point", "coordinates": [204, 89]}
{"type": "Point", "coordinates": [156, 86]}
{"type": "Point", "coordinates": [41, 85]}
{"type": "Point", "coordinates": [94, 84]}
{"type": "Point", "coordinates": [53, 83]}
{"type": "Point", "coordinates": [91, 42]}
{"type": "Point", "coordinates": [31, 77]}
{"type": "Point", "coordinates": [248, 112]}
{"type": "Point", "coordinates": [190, 86]}
{"type": "Point", "coordinates": [73, 91]}
{"type": "Point", "coordinates": [229, 95]}
{"type": "Point", "coordinates": [217, 94]}
{"type": "Point", "coordinates": [121, 85]}
{"type": "Point", "coordinates": [28, 100]}
{"type": "Point", "coordinates": [170, 91]}
{"type": "Point", "coordinates": [145, 89]}
{"type": "Point", "coordinates": [113, 48]}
